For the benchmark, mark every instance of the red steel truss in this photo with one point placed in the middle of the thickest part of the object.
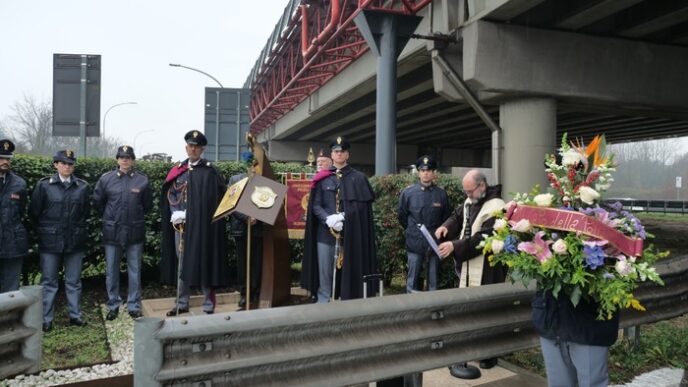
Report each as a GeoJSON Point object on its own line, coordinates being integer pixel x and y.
{"type": "Point", "coordinates": [318, 42]}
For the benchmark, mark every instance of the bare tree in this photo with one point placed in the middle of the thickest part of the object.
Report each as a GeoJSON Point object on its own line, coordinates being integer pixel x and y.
{"type": "Point", "coordinates": [30, 126]}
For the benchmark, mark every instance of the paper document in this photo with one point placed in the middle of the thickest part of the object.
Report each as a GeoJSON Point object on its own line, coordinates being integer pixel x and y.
{"type": "Point", "coordinates": [430, 239]}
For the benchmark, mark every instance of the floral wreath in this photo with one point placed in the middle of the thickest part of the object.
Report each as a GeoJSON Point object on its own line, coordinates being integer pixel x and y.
{"type": "Point", "coordinates": [568, 242]}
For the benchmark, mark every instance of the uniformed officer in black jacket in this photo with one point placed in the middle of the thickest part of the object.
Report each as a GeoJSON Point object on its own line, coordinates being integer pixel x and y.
{"type": "Point", "coordinates": [13, 237]}
{"type": "Point", "coordinates": [123, 197]}
{"type": "Point", "coordinates": [422, 203]}
{"type": "Point", "coordinates": [60, 205]}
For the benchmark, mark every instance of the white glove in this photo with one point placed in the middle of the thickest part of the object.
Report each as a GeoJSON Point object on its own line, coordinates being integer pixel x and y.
{"type": "Point", "coordinates": [178, 217]}
{"type": "Point", "coordinates": [334, 218]}
{"type": "Point", "coordinates": [338, 226]}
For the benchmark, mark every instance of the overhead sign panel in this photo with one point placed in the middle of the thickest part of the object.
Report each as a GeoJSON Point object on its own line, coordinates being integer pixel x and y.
{"type": "Point", "coordinates": [233, 124]}
{"type": "Point", "coordinates": [68, 72]}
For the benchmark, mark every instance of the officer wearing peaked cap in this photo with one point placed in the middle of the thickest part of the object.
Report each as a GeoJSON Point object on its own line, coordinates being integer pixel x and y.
{"type": "Point", "coordinates": [60, 204]}
{"type": "Point", "coordinates": [427, 204]}
{"type": "Point", "coordinates": [13, 236]}
{"type": "Point", "coordinates": [123, 197]}
{"type": "Point", "coordinates": [190, 194]}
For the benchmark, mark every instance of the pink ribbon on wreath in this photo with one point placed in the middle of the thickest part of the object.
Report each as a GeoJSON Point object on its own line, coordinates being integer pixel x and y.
{"type": "Point", "coordinates": [564, 220]}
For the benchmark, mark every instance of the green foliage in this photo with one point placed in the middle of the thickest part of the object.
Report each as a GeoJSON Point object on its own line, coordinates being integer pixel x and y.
{"type": "Point", "coordinates": [389, 234]}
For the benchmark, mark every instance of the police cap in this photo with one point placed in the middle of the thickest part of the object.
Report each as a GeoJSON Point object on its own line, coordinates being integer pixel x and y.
{"type": "Point", "coordinates": [65, 156]}
{"type": "Point", "coordinates": [195, 137]}
{"type": "Point", "coordinates": [340, 143]}
{"type": "Point", "coordinates": [6, 149]}
{"type": "Point", "coordinates": [426, 162]}
{"type": "Point", "coordinates": [125, 151]}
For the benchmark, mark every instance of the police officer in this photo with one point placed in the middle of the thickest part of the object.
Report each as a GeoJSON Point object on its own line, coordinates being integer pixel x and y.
{"type": "Point", "coordinates": [13, 237]}
{"type": "Point", "coordinates": [60, 205]}
{"type": "Point", "coordinates": [422, 203]}
{"type": "Point", "coordinates": [123, 197]}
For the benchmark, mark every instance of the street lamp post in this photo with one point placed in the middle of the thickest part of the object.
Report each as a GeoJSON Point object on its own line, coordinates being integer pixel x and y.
{"type": "Point", "coordinates": [217, 106]}
{"type": "Point", "coordinates": [105, 118]}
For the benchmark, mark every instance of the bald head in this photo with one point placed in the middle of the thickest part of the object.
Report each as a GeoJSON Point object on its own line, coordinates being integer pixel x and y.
{"type": "Point", "coordinates": [474, 184]}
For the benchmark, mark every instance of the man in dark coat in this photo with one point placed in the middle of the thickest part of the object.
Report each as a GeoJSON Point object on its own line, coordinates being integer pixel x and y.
{"type": "Point", "coordinates": [123, 197]}
{"type": "Point", "coordinates": [61, 205]}
{"type": "Point", "coordinates": [13, 237]}
{"type": "Point", "coordinates": [191, 193]}
{"type": "Point", "coordinates": [464, 231]}
{"type": "Point", "coordinates": [427, 204]}
{"type": "Point", "coordinates": [340, 212]}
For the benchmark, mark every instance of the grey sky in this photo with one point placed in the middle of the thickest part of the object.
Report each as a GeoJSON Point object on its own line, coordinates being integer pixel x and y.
{"type": "Point", "coordinates": [137, 41]}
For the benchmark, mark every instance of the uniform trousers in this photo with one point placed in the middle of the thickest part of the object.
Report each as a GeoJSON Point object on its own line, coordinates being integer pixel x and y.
{"type": "Point", "coordinates": [571, 364]}
{"type": "Point", "coordinates": [113, 256]}
{"type": "Point", "coordinates": [325, 271]}
{"type": "Point", "coordinates": [10, 272]}
{"type": "Point", "coordinates": [50, 267]}
{"type": "Point", "coordinates": [185, 289]}
{"type": "Point", "coordinates": [415, 267]}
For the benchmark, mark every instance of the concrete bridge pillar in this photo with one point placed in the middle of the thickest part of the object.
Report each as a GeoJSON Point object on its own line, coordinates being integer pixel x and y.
{"type": "Point", "coordinates": [529, 128]}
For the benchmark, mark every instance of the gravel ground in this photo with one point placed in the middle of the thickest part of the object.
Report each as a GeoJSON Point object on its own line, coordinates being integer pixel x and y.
{"type": "Point", "coordinates": [120, 333]}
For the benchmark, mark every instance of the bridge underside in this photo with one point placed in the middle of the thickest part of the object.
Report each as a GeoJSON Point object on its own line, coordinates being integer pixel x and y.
{"type": "Point", "coordinates": [539, 68]}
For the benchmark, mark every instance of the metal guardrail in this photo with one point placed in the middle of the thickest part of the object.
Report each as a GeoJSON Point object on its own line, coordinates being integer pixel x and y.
{"type": "Point", "coordinates": [661, 206]}
{"type": "Point", "coordinates": [21, 316]}
{"type": "Point", "coordinates": [359, 341]}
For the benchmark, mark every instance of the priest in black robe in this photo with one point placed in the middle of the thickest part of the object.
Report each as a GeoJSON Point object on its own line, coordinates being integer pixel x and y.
{"type": "Point", "coordinates": [339, 222]}
{"type": "Point", "coordinates": [191, 193]}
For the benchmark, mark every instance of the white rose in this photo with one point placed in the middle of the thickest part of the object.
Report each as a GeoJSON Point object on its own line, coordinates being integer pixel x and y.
{"type": "Point", "coordinates": [497, 246]}
{"type": "Point", "coordinates": [623, 267]}
{"type": "Point", "coordinates": [571, 157]}
{"type": "Point", "coordinates": [559, 247]}
{"type": "Point", "coordinates": [522, 225]}
{"type": "Point", "coordinates": [543, 200]}
{"type": "Point", "coordinates": [499, 224]}
{"type": "Point", "coordinates": [588, 195]}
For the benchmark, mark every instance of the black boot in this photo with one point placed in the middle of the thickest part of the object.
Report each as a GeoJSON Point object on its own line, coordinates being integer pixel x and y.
{"type": "Point", "coordinates": [242, 302]}
{"type": "Point", "coordinates": [486, 364]}
{"type": "Point", "coordinates": [464, 371]}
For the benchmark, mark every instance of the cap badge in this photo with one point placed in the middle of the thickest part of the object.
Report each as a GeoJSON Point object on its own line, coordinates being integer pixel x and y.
{"type": "Point", "coordinates": [125, 148]}
{"type": "Point", "coordinates": [425, 160]}
{"type": "Point", "coordinates": [69, 153]}
{"type": "Point", "coordinates": [195, 134]}
{"type": "Point", "coordinates": [339, 140]}
{"type": "Point", "coordinates": [6, 145]}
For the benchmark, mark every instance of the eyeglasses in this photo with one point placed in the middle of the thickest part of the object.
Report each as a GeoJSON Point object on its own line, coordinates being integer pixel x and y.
{"type": "Point", "coordinates": [469, 192]}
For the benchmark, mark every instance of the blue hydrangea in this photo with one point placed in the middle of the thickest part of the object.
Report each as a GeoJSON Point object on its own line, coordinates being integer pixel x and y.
{"type": "Point", "coordinates": [511, 244]}
{"type": "Point", "coordinates": [594, 256]}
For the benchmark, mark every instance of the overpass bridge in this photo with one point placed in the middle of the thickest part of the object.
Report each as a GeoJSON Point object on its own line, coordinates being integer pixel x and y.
{"type": "Point", "coordinates": [483, 83]}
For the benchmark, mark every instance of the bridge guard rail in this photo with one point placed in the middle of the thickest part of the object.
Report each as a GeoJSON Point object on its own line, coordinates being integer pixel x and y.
{"type": "Point", "coordinates": [359, 341]}
{"type": "Point", "coordinates": [21, 318]}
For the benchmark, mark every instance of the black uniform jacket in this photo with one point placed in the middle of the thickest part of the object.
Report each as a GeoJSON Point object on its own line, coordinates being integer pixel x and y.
{"type": "Point", "coordinates": [61, 212]}
{"type": "Point", "coordinates": [13, 237]}
{"type": "Point", "coordinates": [360, 258]}
{"type": "Point", "coordinates": [205, 244]}
{"type": "Point", "coordinates": [421, 205]}
{"type": "Point", "coordinates": [123, 199]}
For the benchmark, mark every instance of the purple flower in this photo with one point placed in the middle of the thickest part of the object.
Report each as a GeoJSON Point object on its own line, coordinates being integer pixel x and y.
{"type": "Point", "coordinates": [594, 256]}
{"type": "Point", "coordinates": [555, 236]}
{"type": "Point", "coordinates": [511, 244]}
{"type": "Point", "coordinates": [616, 206]}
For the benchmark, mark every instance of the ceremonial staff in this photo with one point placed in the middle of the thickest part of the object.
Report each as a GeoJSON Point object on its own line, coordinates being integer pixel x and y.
{"type": "Point", "coordinates": [180, 247]}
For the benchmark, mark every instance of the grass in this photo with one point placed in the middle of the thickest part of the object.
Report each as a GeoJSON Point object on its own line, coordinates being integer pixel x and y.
{"type": "Point", "coordinates": [68, 346]}
{"type": "Point", "coordinates": [663, 344]}
{"type": "Point", "coordinates": [660, 216]}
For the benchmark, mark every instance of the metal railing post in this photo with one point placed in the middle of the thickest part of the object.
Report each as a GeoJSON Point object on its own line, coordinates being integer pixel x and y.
{"type": "Point", "coordinates": [148, 351]}
{"type": "Point", "coordinates": [32, 347]}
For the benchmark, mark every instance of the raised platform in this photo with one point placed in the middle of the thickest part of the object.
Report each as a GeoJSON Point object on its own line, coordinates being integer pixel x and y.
{"type": "Point", "coordinates": [225, 302]}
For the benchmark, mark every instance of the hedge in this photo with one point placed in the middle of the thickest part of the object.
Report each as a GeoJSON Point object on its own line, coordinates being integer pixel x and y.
{"type": "Point", "coordinates": [389, 234]}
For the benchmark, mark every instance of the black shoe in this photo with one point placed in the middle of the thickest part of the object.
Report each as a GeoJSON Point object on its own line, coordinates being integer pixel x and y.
{"type": "Point", "coordinates": [77, 322]}
{"type": "Point", "coordinates": [173, 312]}
{"type": "Point", "coordinates": [112, 314]}
{"type": "Point", "coordinates": [47, 326]}
{"type": "Point", "coordinates": [242, 302]}
{"type": "Point", "coordinates": [464, 371]}
{"type": "Point", "coordinates": [208, 311]}
{"type": "Point", "coordinates": [135, 314]}
{"type": "Point", "coordinates": [486, 364]}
